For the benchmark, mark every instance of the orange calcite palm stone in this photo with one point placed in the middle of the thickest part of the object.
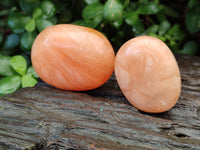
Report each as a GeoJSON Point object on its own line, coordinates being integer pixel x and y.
{"type": "Point", "coordinates": [148, 74]}
{"type": "Point", "coordinates": [72, 57]}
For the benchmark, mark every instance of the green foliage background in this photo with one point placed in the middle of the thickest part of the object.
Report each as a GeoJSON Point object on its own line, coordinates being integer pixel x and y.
{"type": "Point", "coordinates": [177, 23]}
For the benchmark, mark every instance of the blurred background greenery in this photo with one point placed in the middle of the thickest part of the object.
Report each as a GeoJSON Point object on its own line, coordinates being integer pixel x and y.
{"type": "Point", "coordinates": [176, 22]}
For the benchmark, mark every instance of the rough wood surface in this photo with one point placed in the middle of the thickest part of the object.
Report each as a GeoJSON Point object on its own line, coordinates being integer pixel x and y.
{"type": "Point", "coordinates": [45, 118]}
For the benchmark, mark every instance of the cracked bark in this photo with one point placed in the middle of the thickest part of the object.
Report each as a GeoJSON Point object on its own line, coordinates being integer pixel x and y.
{"type": "Point", "coordinates": [45, 118]}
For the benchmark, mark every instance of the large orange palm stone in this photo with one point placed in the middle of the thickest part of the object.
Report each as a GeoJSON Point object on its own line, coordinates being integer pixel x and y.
{"type": "Point", "coordinates": [72, 57]}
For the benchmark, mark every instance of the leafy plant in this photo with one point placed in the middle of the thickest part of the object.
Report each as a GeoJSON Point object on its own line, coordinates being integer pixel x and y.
{"type": "Point", "coordinates": [192, 18]}
{"type": "Point", "coordinates": [26, 23]}
{"type": "Point", "coordinates": [120, 20]}
{"type": "Point", "coordinates": [15, 74]}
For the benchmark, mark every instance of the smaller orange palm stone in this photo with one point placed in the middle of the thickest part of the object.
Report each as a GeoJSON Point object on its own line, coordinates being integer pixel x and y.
{"type": "Point", "coordinates": [148, 74]}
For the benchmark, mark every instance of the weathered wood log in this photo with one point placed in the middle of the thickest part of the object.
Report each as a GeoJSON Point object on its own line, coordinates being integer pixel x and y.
{"type": "Point", "coordinates": [45, 118]}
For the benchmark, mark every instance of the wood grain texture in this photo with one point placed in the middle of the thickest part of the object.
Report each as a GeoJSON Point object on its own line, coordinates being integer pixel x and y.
{"type": "Point", "coordinates": [45, 118]}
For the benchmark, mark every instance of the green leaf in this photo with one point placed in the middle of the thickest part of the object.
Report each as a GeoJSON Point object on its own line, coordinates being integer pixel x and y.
{"type": "Point", "coordinates": [92, 10]}
{"type": "Point", "coordinates": [164, 27]}
{"type": "Point", "coordinates": [153, 34]}
{"type": "Point", "coordinates": [30, 26]}
{"type": "Point", "coordinates": [149, 8]}
{"type": "Point", "coordinates": [31, 72]}
{"type": "Point", "coordinates": [10, 84]}
{"type": "Point", "coordinates": [113, 10]}
{"type": "Point", "coordinates": [53, 19]}
{"type": "Point", "coordinates": [91, 1]}
{"type": "Point", "coordinates": [37, 13]}
{"type": "Point", "coordinates": [190, 48]}
{"type": "Point", "coordinates": [41, 24]}
{"type": "Point", "coordinates": [28, 6]}
{"type": "Point", "coordinates": [11, 42]}
{"type": "Point", "coordinates": [157, 36]}
{"type": "Point", "coordinates": [126, 2]}
{"type": "Point", "coordinates": [48, 8]}
{"type": "Point", "coordinates": [176, 33]}
{"type": "Point", "coordinates": [192, 20]}
{"type": "Point", "coordinates": [5, 66]}
{"type": "Point", "coordinates": [28, 81]}
{"type": "Point", "coordinates": [19, 64]}
{"type": "Point", "coordinates": [27, 40]}
{"type": "Point", "coordinates": [132, 18]}
{"type": "Point", "coordinates": [17, 21]}
{"type": "Point", "coordinates": [117, 24]}
{"type": "Point", "coordinates": [169, 11]}
{"type": "Point", "coordinates": [96, 21]}
{"type": "Point", "coordinates": [93, 13]}
{"type": "Point", "coordinates": [161, 17]}
{"type": "Point", "coordinates": [138, 29]}
{"type": "Point", "coordinates": [152, 29]}
{"type": "Point", "coordinates": [5, 12]}
{"type": "Point", "coordinates": [193, 3]}
{"type": "Point", "coordinates": [162, 38]}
